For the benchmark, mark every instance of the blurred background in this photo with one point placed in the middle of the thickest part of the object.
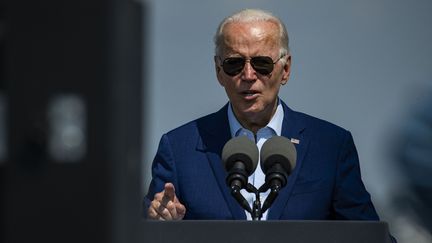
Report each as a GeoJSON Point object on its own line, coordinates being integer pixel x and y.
{"type": "Point", "coordinates": [87, 88]}
{"type": "Point", "coordinates": [70, 120]}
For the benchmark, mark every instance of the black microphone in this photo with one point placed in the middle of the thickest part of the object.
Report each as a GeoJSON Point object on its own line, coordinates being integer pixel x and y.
{"type": "Point", "coordinates": [240, 159]}
{"type": "Point", "coordinates": [278, 159]}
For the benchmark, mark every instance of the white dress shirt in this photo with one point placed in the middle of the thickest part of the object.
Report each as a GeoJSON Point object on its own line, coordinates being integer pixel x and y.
{"type": "Point", "coordinates": [273, 128]}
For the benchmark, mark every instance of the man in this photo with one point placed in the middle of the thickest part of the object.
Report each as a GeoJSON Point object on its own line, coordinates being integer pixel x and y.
{"type": "Point", "coordinates": [252, 62]}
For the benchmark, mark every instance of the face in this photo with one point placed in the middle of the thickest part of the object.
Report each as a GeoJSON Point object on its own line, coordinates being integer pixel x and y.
{"type": "Point", "coordinates": [253, 95]}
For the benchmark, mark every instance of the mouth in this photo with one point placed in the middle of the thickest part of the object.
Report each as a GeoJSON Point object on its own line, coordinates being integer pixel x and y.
{"type": "Point", "coordinates": [249, 94]}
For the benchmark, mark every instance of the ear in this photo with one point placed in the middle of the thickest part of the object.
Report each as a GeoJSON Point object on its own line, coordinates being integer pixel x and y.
{"type": "Point", "coordinates": [287, 70]}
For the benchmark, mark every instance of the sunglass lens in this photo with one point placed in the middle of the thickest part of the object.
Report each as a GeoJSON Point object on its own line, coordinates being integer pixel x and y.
{"type": "Point", "coordinates": [233, 65]}
{"type": "Point", "coordinates": [263, 65]}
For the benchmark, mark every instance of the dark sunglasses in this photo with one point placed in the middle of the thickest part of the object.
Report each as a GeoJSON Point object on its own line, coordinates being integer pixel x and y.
{"type": "Point", "coordinates": [262, 64]}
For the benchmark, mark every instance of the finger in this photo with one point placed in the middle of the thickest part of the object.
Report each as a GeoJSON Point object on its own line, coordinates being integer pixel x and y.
{"type": "Point", "coordinates": [158, 196]}
{"type": "Point", "coordinates": [169, 191]}
{"type": "Point", "coordinates": [159, 211]}
{"type": "Point", "coordinates": [165, 211]}
{"type": "Point", "coordinates": [171, 207]}
{"type": "Point", "coordinates": [152, 214]}
{"type": "Point", "coordinates": [162, 198]}
{"type": "Point", "coordinates": [173, 211]}
{"type": "Point", "coordinates": [181, 211]}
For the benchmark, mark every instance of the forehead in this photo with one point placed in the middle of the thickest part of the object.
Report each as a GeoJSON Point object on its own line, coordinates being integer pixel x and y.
{"type": "Point", "coordinates": [257, 37]}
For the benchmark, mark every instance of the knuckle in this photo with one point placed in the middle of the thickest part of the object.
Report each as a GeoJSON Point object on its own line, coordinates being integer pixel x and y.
{"type": "Point", "coordinates": [158, 196]}
{"type": "Point", "coordinates": [170, 205]}
{"type": "Point", "coordinates": [166, 214]}
{"type": "Point", "coordinates": [151, 213]}
{"type": "Point", "coordinates": [154, 204]}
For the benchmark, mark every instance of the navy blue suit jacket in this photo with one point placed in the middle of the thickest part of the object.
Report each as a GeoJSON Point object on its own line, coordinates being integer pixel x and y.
{"type": "Point", "coordinates": [325, 184]}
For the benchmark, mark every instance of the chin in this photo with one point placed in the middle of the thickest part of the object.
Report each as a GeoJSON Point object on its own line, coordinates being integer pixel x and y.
{"type": "Point", "coordinates": [254, 109]}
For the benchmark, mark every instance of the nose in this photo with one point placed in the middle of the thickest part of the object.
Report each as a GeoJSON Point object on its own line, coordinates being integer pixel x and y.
{"type": "Point", "coordinates": [248, 73]}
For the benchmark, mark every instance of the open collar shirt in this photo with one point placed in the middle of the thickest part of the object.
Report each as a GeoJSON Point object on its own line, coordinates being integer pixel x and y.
{"type": "Point", "coordinates": [273, 128]}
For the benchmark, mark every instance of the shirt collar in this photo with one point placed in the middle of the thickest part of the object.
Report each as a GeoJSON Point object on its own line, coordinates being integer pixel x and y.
{"type": "Point", "coordinates": [275, 122]}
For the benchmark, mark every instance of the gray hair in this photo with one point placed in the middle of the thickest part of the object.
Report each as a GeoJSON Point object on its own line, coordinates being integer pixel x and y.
{"type": "Point", "coordinates": [251, 15]}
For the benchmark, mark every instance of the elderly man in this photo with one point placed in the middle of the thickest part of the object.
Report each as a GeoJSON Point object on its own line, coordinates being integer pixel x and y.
{"type": "Point", "coordinates": [252, 62]}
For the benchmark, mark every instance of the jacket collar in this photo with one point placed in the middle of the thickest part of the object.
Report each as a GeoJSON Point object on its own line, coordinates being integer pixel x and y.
{"type": "Point", "coordinates": [215, 132]}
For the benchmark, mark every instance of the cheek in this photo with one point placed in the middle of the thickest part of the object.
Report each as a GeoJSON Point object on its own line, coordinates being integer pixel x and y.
{"type": "Point", "coordinates": [224, 80]}
{"type": "Point", "coordinates": [271, 93]}
{"type": "Point", "coordinates": [221, 81]}
{"type": "Point", "coordinates": [228, 84]}
{"type": "Point", "coordinates": [230, 88]}
{"type": "Point", "coordinates": [273, 86]}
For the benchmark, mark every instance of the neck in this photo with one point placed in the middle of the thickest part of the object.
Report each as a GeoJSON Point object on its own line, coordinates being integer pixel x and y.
{"type": "Point", "coordinates": [255, 121]}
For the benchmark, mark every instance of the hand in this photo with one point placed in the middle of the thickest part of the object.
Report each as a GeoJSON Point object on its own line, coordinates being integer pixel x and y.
{"type": "Point", "coordinates": [166, 206]}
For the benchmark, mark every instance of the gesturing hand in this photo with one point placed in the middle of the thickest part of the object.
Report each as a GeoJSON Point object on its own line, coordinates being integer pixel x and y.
{"type": "Point", "coordinates": [166, 206]}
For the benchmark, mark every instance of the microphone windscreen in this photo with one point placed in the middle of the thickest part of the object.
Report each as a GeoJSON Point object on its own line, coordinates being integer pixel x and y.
{"type": "Point", "coordinates": [278, 149]}
{"type": "Point", "coordinates": [240, 149]}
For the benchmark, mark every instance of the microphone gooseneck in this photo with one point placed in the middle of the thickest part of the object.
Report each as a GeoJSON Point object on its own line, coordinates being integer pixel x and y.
{"type": "Point", "coordinates": [240, 159]}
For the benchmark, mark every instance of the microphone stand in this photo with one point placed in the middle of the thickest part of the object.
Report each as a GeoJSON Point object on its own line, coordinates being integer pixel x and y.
{"type": "Point", "coordinates": [257, 211]}
{"type": "Point", "coordinates": [256, 207]}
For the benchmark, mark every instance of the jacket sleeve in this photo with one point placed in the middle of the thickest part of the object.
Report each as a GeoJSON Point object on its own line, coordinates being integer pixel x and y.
{"type": "Point", "coordinates": [163, 171]}
{"type": "Point", "coordinates": [351, 201]}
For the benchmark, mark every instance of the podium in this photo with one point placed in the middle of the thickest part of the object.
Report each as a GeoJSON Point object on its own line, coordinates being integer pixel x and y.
{"type": "Point", "coordinates": [265, 231]}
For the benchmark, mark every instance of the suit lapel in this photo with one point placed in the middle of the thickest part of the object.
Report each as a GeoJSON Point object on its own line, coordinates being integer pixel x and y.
{"type": "Point", "coordinates": [292, 128]}
{"type": "Point", "coordinates": [215, 132]}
